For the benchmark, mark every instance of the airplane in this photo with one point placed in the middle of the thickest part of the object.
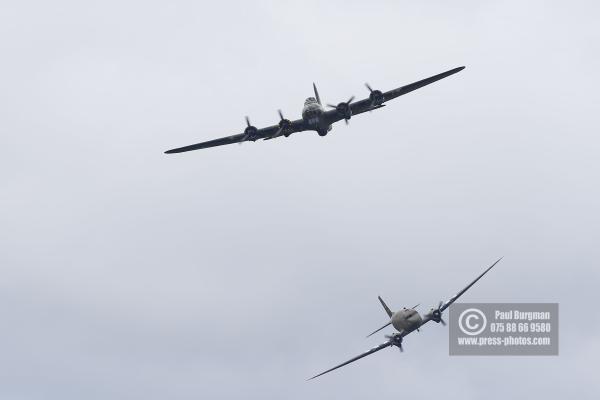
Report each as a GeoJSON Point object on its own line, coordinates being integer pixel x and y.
{"type": "Point", "coordinates": [408, 320]}
{"type": "Point", "coordinates": [315, 117]}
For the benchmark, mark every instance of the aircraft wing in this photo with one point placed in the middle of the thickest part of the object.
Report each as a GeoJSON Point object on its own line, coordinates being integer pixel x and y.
{"type": "Point", "coordinates": [373, 350]}
{"type": "Point", "coordinates": [367, 104]}
{"type": "Point", "coordinates": [211, 143]}
{"type": "Point", "coordinates": [402, 334]}
{"type": "Point", "coordinates": [456, 296]}
{"type": "Point", "coordinates": [270, 132]}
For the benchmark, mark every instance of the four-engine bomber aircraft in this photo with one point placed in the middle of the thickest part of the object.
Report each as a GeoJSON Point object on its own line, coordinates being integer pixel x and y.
{"type": "Point", "coordinates": [315, 117]}
{"type": "Point", "coordinates": [408, 320]}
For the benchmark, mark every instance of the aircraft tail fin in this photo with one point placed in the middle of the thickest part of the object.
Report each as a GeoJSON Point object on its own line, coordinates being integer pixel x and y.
{"type": "Point", "coordinates": [385, 307]}
{"type": "Point", "coordinates": [316, 93]}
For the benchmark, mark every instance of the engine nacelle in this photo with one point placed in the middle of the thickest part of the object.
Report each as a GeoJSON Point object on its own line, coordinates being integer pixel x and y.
{"type": "Point", "coordinates": [251, 133]}
{"type": "Point", "coordinates": [344, 110]}
{"type": "Point", "coordinates": [376, 98]}
{"type": "Point", "coordinates": [285, 125]}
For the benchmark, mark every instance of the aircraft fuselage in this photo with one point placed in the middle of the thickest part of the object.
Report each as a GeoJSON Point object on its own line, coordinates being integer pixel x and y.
{"type": "Point", "coordinates": [312, 114]}
{"type": "Point", "coordinates": [406, 320]}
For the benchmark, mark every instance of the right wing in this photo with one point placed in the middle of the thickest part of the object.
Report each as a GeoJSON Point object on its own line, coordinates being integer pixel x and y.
{"type": "Point", "coordinates": [373, 350]}
{"type": "Point", "coordinates": [211, 143]}
{"type": "Point", "coordinates": [270, 132]}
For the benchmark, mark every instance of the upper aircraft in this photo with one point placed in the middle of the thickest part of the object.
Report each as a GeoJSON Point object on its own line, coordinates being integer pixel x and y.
{"type": "Point", "coordinates": [315, 117]}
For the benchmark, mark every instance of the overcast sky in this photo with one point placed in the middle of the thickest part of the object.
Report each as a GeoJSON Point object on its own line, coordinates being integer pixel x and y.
{"type": "Point", "coordinates": [238, 272]}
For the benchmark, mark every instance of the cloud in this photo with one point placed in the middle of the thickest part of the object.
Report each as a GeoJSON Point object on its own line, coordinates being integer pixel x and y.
{"type": "Point", "coordinates": [240, 271]}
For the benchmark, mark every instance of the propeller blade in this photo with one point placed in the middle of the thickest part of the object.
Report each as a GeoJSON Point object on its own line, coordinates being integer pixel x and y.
{"type": "Point", "coordinates": [368, 87]}
{"type": "Point", "coordinates": [442, 321]}
{"type": "Point", "coordinates": [331, 106]}
{"type": "Point", "coordinates": [350, 100]}
{"type": "Point", "coordinates": [415, 306]}
{"type": "Point", "coordinates": [347, 123]}
{"type": "Point", "coordinates": [280, 114]}
{"type": "Point", "coordinates": [247, 121]}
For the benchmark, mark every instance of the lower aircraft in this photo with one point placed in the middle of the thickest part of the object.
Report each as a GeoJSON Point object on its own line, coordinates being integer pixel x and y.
{"type": "Point", "coordinates": [408, 320]}
{"type": "Point", "coordinates": [315, 117]}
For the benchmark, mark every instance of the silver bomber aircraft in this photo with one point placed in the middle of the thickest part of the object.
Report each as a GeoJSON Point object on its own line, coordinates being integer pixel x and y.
{"type": "Point", "coordinates": [408, 320]}
{"type": "Point", "coordinates": [315, 117]}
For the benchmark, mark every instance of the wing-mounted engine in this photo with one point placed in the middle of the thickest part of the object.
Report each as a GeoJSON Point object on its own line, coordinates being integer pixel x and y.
{"type": "Point", "coordinates": [435, 314]}
{"type": "Point", "coordinates": [250, 133]}
{"type": "Point", "coordinates": [285, 126]}
{"type": "Point", "coordinates": [396, 340]}
{"type": "Point", "coordinates": [376, 96]}
{"type": "Point", "coordinates": [343, 109]}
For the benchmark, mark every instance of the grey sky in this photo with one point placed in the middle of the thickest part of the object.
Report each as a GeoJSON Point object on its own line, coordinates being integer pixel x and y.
{"type": "Point", "coordinates": [238, 272]}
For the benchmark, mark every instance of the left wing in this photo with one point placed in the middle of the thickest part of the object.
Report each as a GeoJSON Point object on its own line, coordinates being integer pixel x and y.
{"type": "Point", "coordinates": [373, 350]}
{"type": "Point", "coordinates": [378, 99]}
{"type": "Point", "coordinates": [270, 132]}
{"type": "Point", "coordinates": [457, 295]}
{"type": "Point", "coordinates": [435, 314]}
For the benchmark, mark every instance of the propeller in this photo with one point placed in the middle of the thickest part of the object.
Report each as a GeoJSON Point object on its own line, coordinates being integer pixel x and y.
{"type": "Point", "coordinates": [343, 109]}
{"type": "Point", "coordinates": [376, 96]}
{"type": "Point", "coordinates": [250, 131]}
{"type": "Point", "coordinates": [396, 340]}
{"type": "Point", "coordinates": [436, 314]}
{"type": "Point", "coordinates": [285, 126]}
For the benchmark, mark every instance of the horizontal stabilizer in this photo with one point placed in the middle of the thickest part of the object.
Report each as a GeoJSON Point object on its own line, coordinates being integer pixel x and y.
{"type": "Point", "coordinates": [374, 332]}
